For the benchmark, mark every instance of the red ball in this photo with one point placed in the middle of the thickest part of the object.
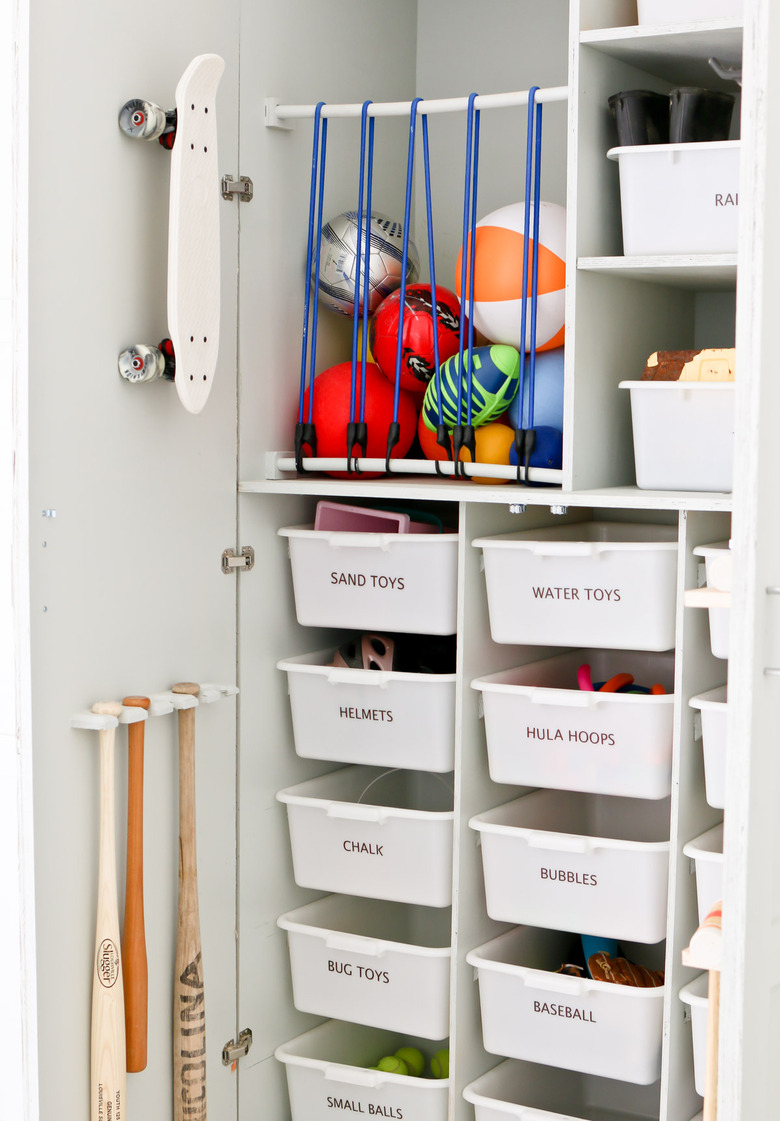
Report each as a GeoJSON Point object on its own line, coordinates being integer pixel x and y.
{"type": "Point", "coordinates": [417, 353]}
{"type": "Point", "coordinates": [331, 413]}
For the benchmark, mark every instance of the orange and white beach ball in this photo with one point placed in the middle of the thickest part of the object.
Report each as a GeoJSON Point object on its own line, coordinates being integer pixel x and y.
{"type": "Point", "coordinates": [498, 276]}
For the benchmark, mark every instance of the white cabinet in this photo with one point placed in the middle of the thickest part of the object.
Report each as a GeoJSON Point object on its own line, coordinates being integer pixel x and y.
{"type": "Point", "coordinates": [127, 593]}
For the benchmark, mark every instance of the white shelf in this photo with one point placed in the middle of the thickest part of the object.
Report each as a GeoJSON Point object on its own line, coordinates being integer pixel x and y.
{"type": "Point", "coordinates": [436, 490]}
{"type": "Point", "coordinates": [706, 272]}
{"type": "Point", "coordinates": [677, 52]}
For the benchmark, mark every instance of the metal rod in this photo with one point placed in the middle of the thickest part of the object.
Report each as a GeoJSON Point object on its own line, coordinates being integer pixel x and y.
{"type": "Point", "coordinates": [420, 467]}
{"type": "Point", "coordinates": [434, 105]}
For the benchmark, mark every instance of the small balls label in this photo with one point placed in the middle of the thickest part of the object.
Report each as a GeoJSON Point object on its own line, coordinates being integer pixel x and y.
{"type": "Point", "coordinates": [355, 1105]}
{"type": "Point", "coordinates": [368, 580]}
{"type": "Point", "coordinates": [359, 972]}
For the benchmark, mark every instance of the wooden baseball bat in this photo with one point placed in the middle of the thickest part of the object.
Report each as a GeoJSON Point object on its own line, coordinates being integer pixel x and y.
{"type": "Point", "coordinates": [107, 1053]}
{"type": "Point", "coordinates": [133, 934]}
{"type": "Point", "coordinates": [189, 1014]}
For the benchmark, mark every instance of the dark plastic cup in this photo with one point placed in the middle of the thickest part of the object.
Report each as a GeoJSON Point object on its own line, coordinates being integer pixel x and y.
{"type": "Point", "coordinates": [641, 116]}
{"type": "Point", "coordinates": [697, 116]}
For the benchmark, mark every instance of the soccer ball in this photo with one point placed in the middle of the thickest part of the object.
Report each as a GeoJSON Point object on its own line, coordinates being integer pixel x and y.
{"type": "Point", "coordinates": [339, 267]}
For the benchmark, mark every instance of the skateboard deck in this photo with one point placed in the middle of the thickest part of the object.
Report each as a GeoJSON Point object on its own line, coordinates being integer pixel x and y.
{"type": "Point", "coordinates": [193, 233]}
{"type": "Point", "coordinates": [189, 356]}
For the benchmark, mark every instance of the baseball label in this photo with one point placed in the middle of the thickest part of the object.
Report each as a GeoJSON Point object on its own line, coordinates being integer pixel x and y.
{"type": "Point", "coordinates": [107, 963]}
{"type": "Point", "coordinates": [564, 1011]}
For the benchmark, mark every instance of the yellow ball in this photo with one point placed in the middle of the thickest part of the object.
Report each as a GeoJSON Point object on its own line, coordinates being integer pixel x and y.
{"type": "Point", "coordinates": [369, 355]}
{"type": "Point", "coordinates": [390, 1064]}
{"type": "Point", "coordinates": [440, 1064]}
{"type": "Point", "coordinates": [493, 443]}
{"type": "Point", "coordinates": [414, 1059]}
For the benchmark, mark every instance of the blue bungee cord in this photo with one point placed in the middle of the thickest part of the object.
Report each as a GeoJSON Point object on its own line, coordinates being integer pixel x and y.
{"type": "Point", "coordinates": [530, 436]}
{"type": "Point", "coordinates": [305, 433]}
{"type": "Point", "coordinates": [442, 435]}
{"type": "Point", "coordinates": [457, 431]}
{"type": "Point", "coordinates": [394, 430]}
{"type": "Point", "coordinates": [357, 434]}
{"type": "Point", "coordinates": [520, 433]}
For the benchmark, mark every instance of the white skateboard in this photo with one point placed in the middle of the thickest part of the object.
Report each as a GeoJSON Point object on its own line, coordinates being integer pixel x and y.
{"type": "Point", "coordinates": [189, 357]}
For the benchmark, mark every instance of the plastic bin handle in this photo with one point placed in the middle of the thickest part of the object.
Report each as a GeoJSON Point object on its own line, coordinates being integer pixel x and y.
{"type": "Point", "coordinates": [351, 811]}
{"type": "Point", "coordinates": [556, 983]}
{"type": "Point", "coordinates": [560, 842]}
{"type": "Point", "coordinates": [354, 944]}
{"type": "Point", "coordinates": [353, 1076]}
{"type": "Point", "coordinates": [339, 676]}
{"type": "Point", "coordinates": [363, 540]}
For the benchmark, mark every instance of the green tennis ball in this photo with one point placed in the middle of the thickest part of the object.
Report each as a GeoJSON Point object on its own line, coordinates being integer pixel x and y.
{"type": "Point", "coordinates": [391, 1064]}
{"type": "Point", "coordinates": [414, 1059]}
{"type": "Point", "coordinates": [440, 1064]}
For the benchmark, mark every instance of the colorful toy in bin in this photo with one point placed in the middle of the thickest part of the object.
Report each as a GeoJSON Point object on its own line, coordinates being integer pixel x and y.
{"type": "Point", "coordinates": [417, 338]}
{"type": "Point", "coordinates": [618, 683]}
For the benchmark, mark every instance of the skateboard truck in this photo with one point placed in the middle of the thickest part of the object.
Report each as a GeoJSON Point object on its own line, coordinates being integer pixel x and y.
{"type": "Point", "coordinates": [141, 363]}
{"type": "Point", "coordinates": [189, 356]}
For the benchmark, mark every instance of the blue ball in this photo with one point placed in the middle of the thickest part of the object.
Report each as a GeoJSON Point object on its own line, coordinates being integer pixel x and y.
{"type": "Point", "coordinates": [548, 392]}
{"type": "Point", "coordinates": [548, 451]}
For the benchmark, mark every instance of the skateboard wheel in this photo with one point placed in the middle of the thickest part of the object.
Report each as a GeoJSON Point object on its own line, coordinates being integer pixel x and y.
{"type": "Point", "coordinates": [142, 363]}
{"type": "Point", "coordinates": [142, 120]}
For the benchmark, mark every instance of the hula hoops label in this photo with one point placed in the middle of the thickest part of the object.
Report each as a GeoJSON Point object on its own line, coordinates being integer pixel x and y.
{"type": "Point", "coordinates": [573, 736]}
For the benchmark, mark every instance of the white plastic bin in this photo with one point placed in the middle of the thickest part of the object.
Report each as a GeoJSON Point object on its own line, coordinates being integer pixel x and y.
{"type": "Point", "coordinates": [542, 730]}
{"type": "Point", "coordinates": [706, 851]}
{"type": "Point", "coordinates": [403, 582]}
{"type": "Point", "coordinates": [679, 198]}
{"type": "Point", "coordinates": [695, 995]}
{"type": "Point", "coordinates": [526, 1091]}
{"type": "Point", "coordinates": [531, 1012]}
{"type": "Point", "coordinates": [381, 834]}
{"type": "Point", "coordinates": [610, 584]}
{"type": "Point", "coordinates": [688, 11]}
{"type": "Point", "coordinates": [372, 962]}
{"type": "Point", "coordinates": [683, 434]}
{"type": "Point", "coordinates": [713, 707]}
{"type": "Point", "coordinates": [375, 717]}
{"type": "Point", "coordinates": [606, 874]}
{"type": "Point", "coordinates": [717, 567]}
{"type": "Point", "coordinates": [329, 1071]}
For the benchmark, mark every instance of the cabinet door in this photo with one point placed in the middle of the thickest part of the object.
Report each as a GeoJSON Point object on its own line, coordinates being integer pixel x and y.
{"type": "Point", "coordinates": [132, 503]}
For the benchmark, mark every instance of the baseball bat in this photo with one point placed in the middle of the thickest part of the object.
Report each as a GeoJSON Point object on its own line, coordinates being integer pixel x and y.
{"type": "Point", "coordinates": [189, 1014]}
{"type": "Point", "coordinates": [133, 933]}
{"type": "Point", "coordinates": [107, 1052]}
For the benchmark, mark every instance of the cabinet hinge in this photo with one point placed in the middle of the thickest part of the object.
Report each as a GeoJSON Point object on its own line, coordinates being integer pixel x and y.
{"type": "Point", "coordinates": [243, 187]}
{"type": "Point", "coordinates": [242, 561]}
{"type": "Point", "coordinates": [235, 1049]}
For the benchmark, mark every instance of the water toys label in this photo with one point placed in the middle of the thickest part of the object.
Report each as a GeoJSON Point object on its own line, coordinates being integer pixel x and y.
{"type": "Point", "coordinates": [564, 1011]}
{"type": "Point", "coordinates": [368, 580]}
{"type": "Point", "coordinates": [582, 595]}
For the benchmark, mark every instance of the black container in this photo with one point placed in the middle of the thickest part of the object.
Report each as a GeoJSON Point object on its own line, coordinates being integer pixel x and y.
{"type": "Point", "coordinates": [697, 116]}
{"type": "Point", "coordinates": [641, 116]}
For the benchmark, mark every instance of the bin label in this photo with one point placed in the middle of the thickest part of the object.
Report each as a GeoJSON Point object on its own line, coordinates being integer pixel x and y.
{"type": "Point", "coordinates": [582, 595]}
{"type": "Point", "coordinates": [355, 1105]}
{"type": "Point", "coordinates": [368, 580]}
{"type": "Point", "coordinates": [361, 972]}
{"type": "Point", "coordinates": [564, 1011]}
